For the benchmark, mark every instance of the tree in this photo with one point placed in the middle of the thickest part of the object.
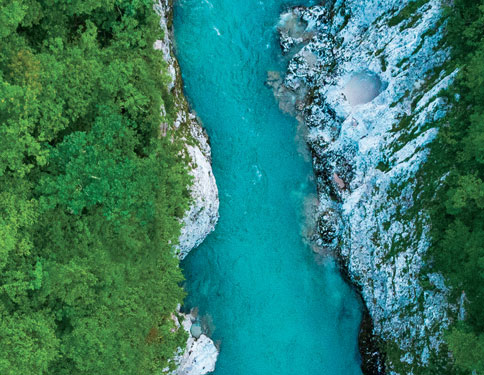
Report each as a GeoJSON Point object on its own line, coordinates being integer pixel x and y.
{"type": "Point", "coordinates": [91, 196]}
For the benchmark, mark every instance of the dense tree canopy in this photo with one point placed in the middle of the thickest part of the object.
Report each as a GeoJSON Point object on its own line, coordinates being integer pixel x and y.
{"type": "Point", "coordinates": [90, 194]}
{"type": "Point", "coordinates": [457, 207]}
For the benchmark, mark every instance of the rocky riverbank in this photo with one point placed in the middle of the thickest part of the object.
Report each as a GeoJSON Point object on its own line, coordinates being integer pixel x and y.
{"type": "Point", "coordinates": [200, 354]}
{"type": "Point", "coordinates": [364, 78]}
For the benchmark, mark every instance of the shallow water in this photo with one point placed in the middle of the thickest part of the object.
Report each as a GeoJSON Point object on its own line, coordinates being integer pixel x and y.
{"type": "Point", "coordinates": [274, 309]}
{"type": "Point", "coordinates": [362, 88]}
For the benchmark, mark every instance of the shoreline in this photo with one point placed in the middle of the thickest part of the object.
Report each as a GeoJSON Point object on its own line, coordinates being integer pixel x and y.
{"type": "Point", "coordinates": [369, 344]}
{"type": "Point", "coordinates": [199, 354]}
{"type": "Point", "coordinates": [365, 160]}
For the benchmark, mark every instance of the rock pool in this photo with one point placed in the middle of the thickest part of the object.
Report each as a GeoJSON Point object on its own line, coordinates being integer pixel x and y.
{"type": "Point", "coordinates": [259, 290]}
{"type": "Point", "coordinates": [362, 88]}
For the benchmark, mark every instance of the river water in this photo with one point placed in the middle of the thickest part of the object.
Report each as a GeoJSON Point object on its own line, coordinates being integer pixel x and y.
{"type": "Point", "coordinates": [273, 308]}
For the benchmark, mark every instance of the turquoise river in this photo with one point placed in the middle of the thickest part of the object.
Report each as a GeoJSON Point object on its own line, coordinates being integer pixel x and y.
{"type": "Point", "coordinates": [275, 308]}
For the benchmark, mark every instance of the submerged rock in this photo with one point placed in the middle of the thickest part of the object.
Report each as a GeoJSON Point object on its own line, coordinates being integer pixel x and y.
{"type": "Point", "coordinates": [371, 89]}
{"type": "Point", "coordinates": [293, 30]}
{"type": "Point", "coordinates": [200, 353]}
{"type": "Point", "coordinates": [196, 330]}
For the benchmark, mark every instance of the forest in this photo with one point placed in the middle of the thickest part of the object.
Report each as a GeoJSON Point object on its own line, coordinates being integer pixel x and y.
{"type": "Point", "coordinates": [91, 195]}
{"type": "Point", "coordinates": [456, 202]}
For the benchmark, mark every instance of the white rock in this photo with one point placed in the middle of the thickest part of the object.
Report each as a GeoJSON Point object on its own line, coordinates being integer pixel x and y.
{"type": "Point", "coordinates": [202, 217]}
{"type": "Point", "coordinates": [200, 355]}
{"type": "Point", "coordinates": [165, 45]}
{"type": "Point", "coordinates": [363, 145]}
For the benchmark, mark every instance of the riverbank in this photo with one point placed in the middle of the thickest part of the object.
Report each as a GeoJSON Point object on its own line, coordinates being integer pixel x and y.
{"type": "Point", "coordinates": [367, 150]}
{"type": "Point", "coordinates": [200, 353]}
{"type": "Point", "coordinates": [255, 281]}
{"type": "Point", "coordinates": [370, 345]}
{"type": "Point", "coordinates": [202, 217]}
{"type": "Point", "coordinates": [92, 194]}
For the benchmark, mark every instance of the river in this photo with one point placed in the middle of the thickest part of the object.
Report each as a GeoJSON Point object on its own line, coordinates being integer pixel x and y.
{"type": "Point", "coordinates": [273, 307]}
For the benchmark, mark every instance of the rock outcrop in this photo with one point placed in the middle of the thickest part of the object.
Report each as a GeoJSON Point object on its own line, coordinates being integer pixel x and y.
{"type": "Point", "coordinates": [364, 77]}
{"type": "Point", "coordinates": [200, 353]}
{"type": "Point", "coordinates": [203, 215]}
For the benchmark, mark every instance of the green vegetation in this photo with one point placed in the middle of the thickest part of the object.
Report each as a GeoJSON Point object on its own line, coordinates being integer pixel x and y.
{"type": "Point", "coordinates": [408, 13]}
{"type": "Point", "coordinates": [90, 193]}
{"type": "Point", "coordinates": [456, 205]}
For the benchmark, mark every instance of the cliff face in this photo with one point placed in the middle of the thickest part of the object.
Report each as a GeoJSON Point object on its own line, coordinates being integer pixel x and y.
{"type": "Point", "coordinates": [364, 78]}
{"type": "Point", "coordinates": [203, 215]}
{"type": "Point", "coordinates": [200, 354]}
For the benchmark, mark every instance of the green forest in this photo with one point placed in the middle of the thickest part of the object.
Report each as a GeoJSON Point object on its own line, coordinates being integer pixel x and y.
{"type": "Point", "coordinates": [90, 193]}
{"type": "Point", "coordinates": [456, 205]}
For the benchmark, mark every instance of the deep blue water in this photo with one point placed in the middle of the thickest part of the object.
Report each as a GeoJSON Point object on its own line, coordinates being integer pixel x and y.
{"type": "Point", "coordinates": [275, 310]}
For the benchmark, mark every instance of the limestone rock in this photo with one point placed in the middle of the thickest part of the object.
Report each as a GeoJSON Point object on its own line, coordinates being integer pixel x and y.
{"type": "Point", "coordinates": [203, 215]}
{"type": "Point", "coordinates": [368, 141]}
{"type": "Point", "coordinates": [200, 355]}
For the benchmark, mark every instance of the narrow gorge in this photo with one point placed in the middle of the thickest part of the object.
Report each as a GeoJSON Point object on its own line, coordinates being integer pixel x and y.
{"type": "Point", "coordinates": [261, 294]}
{"type": "Point", "coordinates": [242, 187]}
{"type": "Point", "coordinates": [359, 82]}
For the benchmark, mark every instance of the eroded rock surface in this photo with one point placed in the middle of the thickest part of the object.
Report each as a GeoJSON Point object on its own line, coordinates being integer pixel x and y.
{"type": "Point", "coordinates": [203, 215]}
{"type": "Point", "coordinates": [368, 137]}
{"type": "Point", "coordinates": [200, 355]}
